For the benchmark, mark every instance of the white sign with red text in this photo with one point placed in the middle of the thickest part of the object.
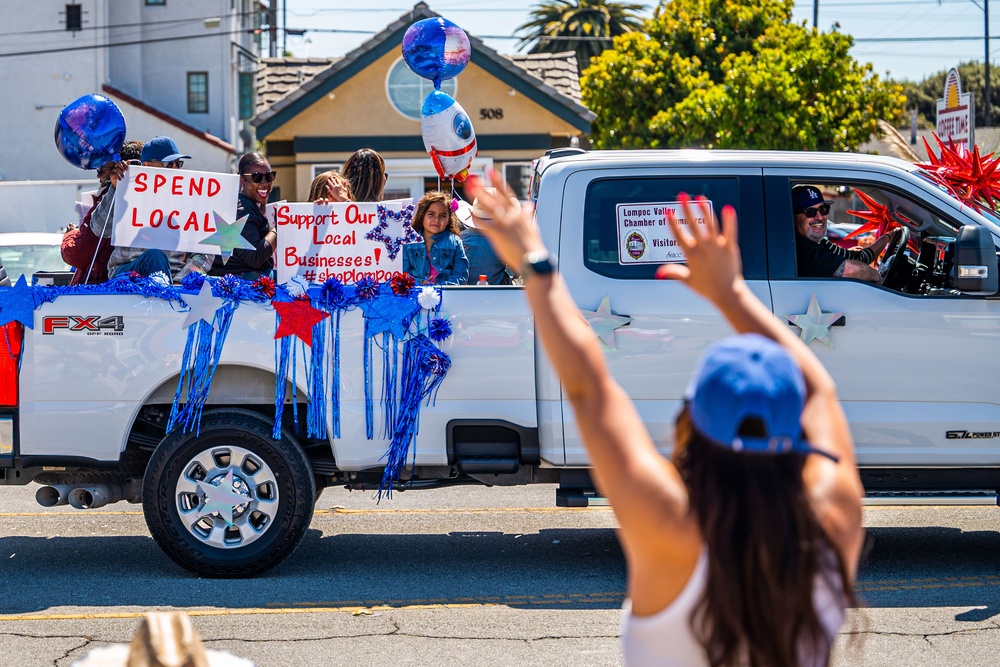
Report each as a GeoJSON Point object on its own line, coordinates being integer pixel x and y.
{"type": "Point", "coordinates": [644, 237]}
{"type": "Point", "coordinates": [956, 112]}
{"type": "Point", "coordinates": [347, 241]}
{"type": "Point", "coordinates": [170, 209]}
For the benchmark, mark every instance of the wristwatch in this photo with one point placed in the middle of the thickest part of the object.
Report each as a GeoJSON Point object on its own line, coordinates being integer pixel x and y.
{"type": "Point", "coordinates": [538, 263]}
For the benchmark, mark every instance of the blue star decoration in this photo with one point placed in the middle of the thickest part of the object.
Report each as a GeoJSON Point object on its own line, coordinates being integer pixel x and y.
{"type": "Point", "coordinates": [202, 306]}
{"type": "Point", "coordinates": [18, 303]}
{"type": "Point", "coordinates": [604, 322]}
{"type": "Point", "coordinates": [228, 236]}
{"type": "Point", "coordinates": [389, 313]}
{"type": "Point", "coordinates": [394, 243]}
{"type": "Point", "coordinates": [222, 498]}
{"type": "Point", "coordinates": [814, 323]}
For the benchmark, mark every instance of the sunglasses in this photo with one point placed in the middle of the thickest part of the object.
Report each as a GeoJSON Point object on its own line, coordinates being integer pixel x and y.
{"type": "Point", "coordinates": [173, 164]}
{"type": "Point", "coordinates": [257, 177]}
{"type": "Point", "coordinates": [811, 212]}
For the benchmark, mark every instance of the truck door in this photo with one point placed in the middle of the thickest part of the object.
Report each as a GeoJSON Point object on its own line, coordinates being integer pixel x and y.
{"type": "Point", "coordinates": [915, 369]}
{"type": "Point", "coordinates": [608, 262]}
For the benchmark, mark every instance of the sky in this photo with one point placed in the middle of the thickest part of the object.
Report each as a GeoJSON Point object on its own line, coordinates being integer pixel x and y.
{"type": "Point", "coordinates": [953, 29]}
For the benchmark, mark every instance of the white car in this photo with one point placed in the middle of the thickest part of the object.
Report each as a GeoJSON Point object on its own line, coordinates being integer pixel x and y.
{"type": "Point", "coordinates": [24, 253]}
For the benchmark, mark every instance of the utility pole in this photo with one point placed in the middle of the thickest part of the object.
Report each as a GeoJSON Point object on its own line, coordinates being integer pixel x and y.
{"type": "Point", "coordinates": [986, 64]}
{"type": "Point", "coordinates": [272, 28]}
{"type": "Point", "coordinates": [816, 13]}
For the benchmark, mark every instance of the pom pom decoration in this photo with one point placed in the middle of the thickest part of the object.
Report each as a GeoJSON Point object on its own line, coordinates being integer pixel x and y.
{"type": "Point", "coordinates": [436, 49]}
{"type": "Point", "coordinates": [90, 131]}
{"type": "Point", "coordinates": [448, 135]}
{"type": "Point", "coordinates": [402, 283]}
{"type": "Point", "coordinates": [429, 298]}
{"type": "Point", "coordinates": [366, 288]}
{"type": "Point", "coordinates": [439, 330]}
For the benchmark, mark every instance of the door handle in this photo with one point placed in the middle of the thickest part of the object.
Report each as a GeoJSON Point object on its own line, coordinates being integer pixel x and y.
{"type": "Point", "coordinates": [840, 322]}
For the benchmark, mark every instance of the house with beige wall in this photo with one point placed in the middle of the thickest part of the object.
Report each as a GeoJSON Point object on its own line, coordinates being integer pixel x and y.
{"type": "Point", "coordinates": [314, 113]}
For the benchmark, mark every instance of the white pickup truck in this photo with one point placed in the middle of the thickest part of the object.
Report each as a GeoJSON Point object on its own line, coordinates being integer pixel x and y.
{"type": "Point", "coordinates": [912, 359]}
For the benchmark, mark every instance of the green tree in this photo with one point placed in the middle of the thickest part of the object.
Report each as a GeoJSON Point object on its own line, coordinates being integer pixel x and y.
{"type": "Point", "coordinates": [924, 94]}
{"type": "Point", "coordinates": [584, 26]}
{"type": "Point", "coordinates": [734, 74]}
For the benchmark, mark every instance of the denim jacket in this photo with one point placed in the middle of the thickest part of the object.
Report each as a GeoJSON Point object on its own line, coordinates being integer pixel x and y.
{"type": "Point", "coordinates": [447, 256]}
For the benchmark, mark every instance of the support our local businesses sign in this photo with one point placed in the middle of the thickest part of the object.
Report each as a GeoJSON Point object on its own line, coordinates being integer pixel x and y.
{"type": "Point", "coordinates": [956, 112]}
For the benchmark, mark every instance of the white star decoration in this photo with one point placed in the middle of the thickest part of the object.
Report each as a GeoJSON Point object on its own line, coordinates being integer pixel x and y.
{"type": "Point", "coordinates": [815, 324]}
{"type": "Point", "coordinates": [604, 322]}
{"type": "Point", "coordinates": [202, 306]}
{"type": "Point", "coordinates": [222, 498]}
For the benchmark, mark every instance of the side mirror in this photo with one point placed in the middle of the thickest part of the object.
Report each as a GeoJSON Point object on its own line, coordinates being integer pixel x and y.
{"type": "Point", "coordinates": [976, 261]}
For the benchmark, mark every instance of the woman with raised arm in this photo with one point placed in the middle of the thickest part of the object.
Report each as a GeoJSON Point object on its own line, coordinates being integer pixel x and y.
{"type": "Point", "coordinates": [743, 549]}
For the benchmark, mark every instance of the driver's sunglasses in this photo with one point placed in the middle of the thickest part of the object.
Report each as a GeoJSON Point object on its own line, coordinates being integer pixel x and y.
{"type": "Point", "coordinates": [258, 176]}
{"type": "Point", "coordinates": [810, 213]}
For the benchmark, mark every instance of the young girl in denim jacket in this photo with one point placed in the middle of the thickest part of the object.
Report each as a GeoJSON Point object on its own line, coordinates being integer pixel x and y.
{"type": "Point", "coordinates": [440, 259]}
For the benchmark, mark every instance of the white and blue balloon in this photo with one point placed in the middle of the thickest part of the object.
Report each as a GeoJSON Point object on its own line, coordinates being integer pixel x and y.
{"type": "Point", "coordinates": [437, 49]}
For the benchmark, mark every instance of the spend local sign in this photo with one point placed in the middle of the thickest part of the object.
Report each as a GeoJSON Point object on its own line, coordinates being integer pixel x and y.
{"type": "Point", "coordinates": [956, 113]}
{"type": "Point", "coordinates": [171, 209]}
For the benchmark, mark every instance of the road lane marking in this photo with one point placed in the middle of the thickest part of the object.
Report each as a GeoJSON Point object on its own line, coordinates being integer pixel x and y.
{"type": "Point", "coordinates": [345, 606]}
{"type": "Point", "coordinates": [343, 510]}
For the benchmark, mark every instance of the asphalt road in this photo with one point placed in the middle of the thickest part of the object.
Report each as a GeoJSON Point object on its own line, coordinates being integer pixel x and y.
{"type": "Point", "coordinates": [460, 576]}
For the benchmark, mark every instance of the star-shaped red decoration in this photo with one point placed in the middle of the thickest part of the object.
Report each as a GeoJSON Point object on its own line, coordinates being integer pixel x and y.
{"type": "Point", "coordinates": [880, 220]}
{"type": "Point", "coordinates": [970, 177]}
{"type": "Point", "coordinates": [297, 317]}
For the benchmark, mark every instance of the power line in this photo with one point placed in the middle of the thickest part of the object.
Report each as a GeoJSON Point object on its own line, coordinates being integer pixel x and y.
{"type": "Point", "coordinates": [66, 49]}
{"type": "Point", "coordinates": [116, 26]}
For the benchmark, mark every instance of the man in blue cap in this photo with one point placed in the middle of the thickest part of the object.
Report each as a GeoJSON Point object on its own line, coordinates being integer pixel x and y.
{"type": "Point", "coordinates": [819, 257]}
{"type": "Point", "coordinates": [161, 152]}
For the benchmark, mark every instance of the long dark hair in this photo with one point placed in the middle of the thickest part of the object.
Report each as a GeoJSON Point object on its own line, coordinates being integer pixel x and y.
{"type": "Point", "coordinates": [434, 197]}
{"type": "Point", "coordinates": [765, 550]}
{"type": "Point", "coordinates": [366, 172]}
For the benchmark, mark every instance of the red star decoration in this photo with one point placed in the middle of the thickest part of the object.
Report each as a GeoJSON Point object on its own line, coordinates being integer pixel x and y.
{"type": "Point", "coordinates": [880, 220]}
{"type": "Point", "coordinates": [297, 317]}
{"type": "Point", "coordinates": [970, 177]}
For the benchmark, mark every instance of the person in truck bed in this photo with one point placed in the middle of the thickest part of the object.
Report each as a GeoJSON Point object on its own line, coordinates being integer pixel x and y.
{"type": "Point", "coordinates": [743, 549]}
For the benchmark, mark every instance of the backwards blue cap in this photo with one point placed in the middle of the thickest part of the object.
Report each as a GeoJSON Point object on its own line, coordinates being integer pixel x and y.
{"type": "Point", "coordinates": [749, 376]}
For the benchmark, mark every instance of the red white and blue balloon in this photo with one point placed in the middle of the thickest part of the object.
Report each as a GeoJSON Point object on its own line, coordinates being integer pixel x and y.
{"type": "Point", "coordinates": [448, 135]}
{"type": "Point", "coordinates": [436, 49]}
{"type": "Point", "coordinates": [90, 131]}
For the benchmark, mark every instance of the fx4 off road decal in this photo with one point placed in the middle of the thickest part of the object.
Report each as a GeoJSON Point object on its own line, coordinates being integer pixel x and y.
{"type": "Point", "coordinates": [92, 325]}
{"type": "Point", "coordinates": [969, 435]}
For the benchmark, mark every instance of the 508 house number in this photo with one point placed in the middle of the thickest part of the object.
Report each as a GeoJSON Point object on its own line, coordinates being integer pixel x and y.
{"type": "Point", "coordinates": [491, 114]}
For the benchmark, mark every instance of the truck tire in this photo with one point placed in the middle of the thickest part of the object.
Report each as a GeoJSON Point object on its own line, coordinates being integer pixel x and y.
{"type": "Point", "coordinates": [274, 476]}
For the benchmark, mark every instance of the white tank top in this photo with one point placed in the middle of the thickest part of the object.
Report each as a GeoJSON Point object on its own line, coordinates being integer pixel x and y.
{"type": "Point", "coordinates": [666, 640]}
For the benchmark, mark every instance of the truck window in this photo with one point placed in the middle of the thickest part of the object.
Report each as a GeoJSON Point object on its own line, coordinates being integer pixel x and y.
{"type": "Point", "coordinates": [624, 230]}
{"type": "Point", "coordinates": [855, 214]}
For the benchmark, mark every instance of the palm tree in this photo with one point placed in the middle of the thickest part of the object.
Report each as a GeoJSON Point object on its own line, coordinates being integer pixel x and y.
{"type": "Point", "coordinates": [584, 26]}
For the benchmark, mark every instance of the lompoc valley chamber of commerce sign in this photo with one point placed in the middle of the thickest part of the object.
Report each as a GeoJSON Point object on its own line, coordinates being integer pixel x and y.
{"type": "Point", "coordinates": [956, 113]}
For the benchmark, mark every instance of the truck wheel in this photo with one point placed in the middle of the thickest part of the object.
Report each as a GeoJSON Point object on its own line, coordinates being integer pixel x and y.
{"type": "Point", "coordinates": [194, 482]}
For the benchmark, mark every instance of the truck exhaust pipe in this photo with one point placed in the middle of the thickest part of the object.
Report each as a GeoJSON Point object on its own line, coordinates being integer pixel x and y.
{"type": "Point", "coordinates": [94, 496]}
{"type": "Point", "coordinates": [53, 495]}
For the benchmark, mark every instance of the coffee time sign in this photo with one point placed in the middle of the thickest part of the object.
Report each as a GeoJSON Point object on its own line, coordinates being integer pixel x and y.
{"type": "Point", "coordinates": [170, 209]}
{"type": "Point", "coordinates": [956, 112]}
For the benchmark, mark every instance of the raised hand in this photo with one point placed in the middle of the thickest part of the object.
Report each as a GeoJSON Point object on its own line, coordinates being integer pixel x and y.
{"type": "Point", "coordinates": [713, 267]}
{"type": "Point", "coordinates": [512, 232]}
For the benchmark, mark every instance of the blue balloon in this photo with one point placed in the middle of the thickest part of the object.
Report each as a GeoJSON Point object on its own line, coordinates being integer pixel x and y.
{"type": "Point", "coordinates": [90, 131]}
{"type": "Point", "coordinates": [436, 49]}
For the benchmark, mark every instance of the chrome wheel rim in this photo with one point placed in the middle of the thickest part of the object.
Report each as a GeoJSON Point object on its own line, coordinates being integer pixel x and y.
{"type": "Point", "coordinates": [253, 494]}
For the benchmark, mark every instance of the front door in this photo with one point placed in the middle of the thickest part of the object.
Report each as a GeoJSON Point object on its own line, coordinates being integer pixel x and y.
{"type": "Point", "coordinates": [915, 369]}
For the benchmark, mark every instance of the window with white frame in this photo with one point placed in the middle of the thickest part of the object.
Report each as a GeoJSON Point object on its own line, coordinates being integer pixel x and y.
{"type": "Point", "coordinates": [406, 90]}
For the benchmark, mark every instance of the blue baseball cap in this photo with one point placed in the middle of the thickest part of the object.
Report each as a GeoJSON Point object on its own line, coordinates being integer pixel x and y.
{"type": "Point", "coordinates": [807, 196]}
{"type": "Point", "coordinates": [744, 377]}
{"type": "Point", "coordinates": [162, 149]}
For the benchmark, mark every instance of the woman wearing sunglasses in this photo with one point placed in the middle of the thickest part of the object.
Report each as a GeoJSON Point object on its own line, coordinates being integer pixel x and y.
{"type": "Point", "coordinates": [256, 179]}
{"type": "Point", "coordinates": [819, 257]}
